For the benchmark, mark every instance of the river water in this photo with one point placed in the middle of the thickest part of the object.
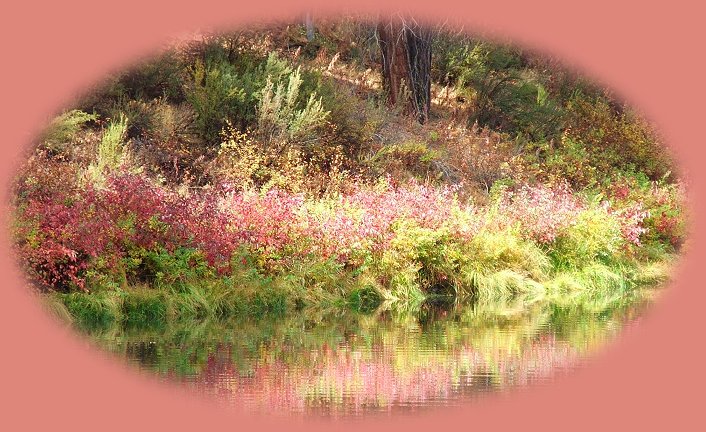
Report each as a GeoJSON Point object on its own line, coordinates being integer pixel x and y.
{"type": "Point", "coordinates": [339, 363]}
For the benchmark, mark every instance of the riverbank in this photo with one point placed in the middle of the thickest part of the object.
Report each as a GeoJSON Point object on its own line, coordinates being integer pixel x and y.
{"type": "Point", "coordinates": [218, 299]}
{"type": "Point", "coordinates": [135, 251]}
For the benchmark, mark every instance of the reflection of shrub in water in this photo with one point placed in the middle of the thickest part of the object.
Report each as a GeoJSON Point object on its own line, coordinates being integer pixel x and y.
{"type": "Point", "coordinates": [375, 363]}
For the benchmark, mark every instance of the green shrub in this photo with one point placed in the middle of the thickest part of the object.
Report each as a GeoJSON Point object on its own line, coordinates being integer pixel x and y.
{"type": "Point", "coordinates": [571, 161]}
{"type": "Point", "coordinates": [505, 93]}
{"type": "Point", "coordinates": [481, 157]}
{"type": "Point", "coordinates": [416, 259]}
{"type": "Point", "coordinates": [64, 128]}
{"type": "Point", "coordinates": [160, 77]}
{"type": "Point", "coordinates": [615, 141]}
{"type": "Point", "coordinates": [174, 271]}
{"type": "Point", "coordinates": [137, 113]}
{"type": "Point", "coordinates": [594, 236]}
{"type": "Point", "coordinates": [279, 119]}
{"type": "Point", "coordinates": [270, 96]}
{"type": "Point", "coordinates": [366, 299]}
{"type": "Point", "coordinates": [110, 150]}
{"type": "Point", "coordinates": [355, 121]}
{"type": "Point", "coordinates": [216, 96]}
{"type": "Point", "coordinates": [245, 163]}
{"type": "Point", "coordinates": [164, 140]}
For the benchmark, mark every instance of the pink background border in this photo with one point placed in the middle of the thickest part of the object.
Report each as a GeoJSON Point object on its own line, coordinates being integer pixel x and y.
{"type": "Point", "coordinates": [652, 54]}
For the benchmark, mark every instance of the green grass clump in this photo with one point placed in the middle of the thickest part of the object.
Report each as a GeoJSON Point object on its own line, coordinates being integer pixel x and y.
{"type": "Point", "coordinates": [503, 284]}
{"type": "Point", "coordinates": [111, 150]}
{"type": "Point", "coordinates": [491, 252]}
{"type": "Point", "coordinates": [144, 307]}
{"type": "Point", "coordinates": [194, 301]}
{"type": "Point", "coordinates": [269, 302]}
{"type": "Point", "coordinates": [95, 309]}
{"type": "Point", "coordinates": [311, 281]}
{"type": "Point", "coordinates": [653, 273]}
{"type": "Point", "coordinates": [595, 282]}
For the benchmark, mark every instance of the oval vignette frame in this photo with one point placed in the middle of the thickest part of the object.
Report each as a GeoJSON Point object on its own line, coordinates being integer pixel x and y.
{"type": "Point", "coordinates": [647, 53]}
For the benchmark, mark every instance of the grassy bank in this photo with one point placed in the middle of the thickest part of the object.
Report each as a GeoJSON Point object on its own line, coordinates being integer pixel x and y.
{"type": "Point", "coordinates": [594, 287]}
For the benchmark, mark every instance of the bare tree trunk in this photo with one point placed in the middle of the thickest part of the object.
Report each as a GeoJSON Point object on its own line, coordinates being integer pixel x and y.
{"type": "Point", "coordinates": [310, 30]}
{"type": "Point", "coordinates": [406, 64]}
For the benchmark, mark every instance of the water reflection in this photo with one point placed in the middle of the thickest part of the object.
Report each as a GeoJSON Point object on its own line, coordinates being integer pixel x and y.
{"type": "Point", "coordinates": [342, 363]}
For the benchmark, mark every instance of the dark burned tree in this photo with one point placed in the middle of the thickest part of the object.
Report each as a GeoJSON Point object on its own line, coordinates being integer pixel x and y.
{"type": "Point", "coordinates": [406, 64]}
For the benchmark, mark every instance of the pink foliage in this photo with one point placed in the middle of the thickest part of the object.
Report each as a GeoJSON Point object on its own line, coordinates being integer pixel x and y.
{"type": "Point", "coordinates": [60, 236]}
{"type": "Point", "coordinates": [631, 219]}
{"type": "Point", "coordinates": [366, 217]}
{"type": "Point", "coordinates": [541, 212]}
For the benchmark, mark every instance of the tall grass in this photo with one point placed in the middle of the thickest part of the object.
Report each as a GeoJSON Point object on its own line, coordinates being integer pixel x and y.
{"type": "Point", "coordinates": [111, 151]}
{"type": "Point", "coordinates": [94, 310]}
